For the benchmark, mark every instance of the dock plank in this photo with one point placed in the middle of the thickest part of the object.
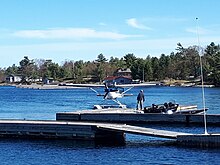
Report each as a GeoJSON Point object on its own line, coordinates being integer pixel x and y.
{"type": "Point", "coordinates": [142, 130]}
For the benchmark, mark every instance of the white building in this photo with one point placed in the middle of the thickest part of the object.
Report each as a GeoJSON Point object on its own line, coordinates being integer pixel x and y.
{"type": "Point", "coordinates": [13, 79]}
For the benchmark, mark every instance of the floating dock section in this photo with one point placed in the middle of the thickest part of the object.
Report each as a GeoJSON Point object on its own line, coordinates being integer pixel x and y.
{"type": "Point", "coordinates": [105, 133]}
{"type": "Point", "coordinates": [199, 140]}
{"type": "Point", "coordinates": [59, 130]}
{"type": "Point", "coordinates": [141, 118]}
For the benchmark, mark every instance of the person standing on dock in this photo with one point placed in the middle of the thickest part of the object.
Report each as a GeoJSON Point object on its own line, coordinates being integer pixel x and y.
{"type": "Point", "coordinates": [140, 100]}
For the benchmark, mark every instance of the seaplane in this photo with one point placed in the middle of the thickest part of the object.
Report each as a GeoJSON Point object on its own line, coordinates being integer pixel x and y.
{"type": "Point", "coordinates": [111, 92]}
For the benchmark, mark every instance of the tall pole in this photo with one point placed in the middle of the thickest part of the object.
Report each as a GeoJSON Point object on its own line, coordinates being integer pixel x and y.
{"type": "Point", "coordinates": [201, 70]}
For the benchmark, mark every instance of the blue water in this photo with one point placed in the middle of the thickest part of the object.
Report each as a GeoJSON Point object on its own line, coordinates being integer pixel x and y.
{"type": "Point", "coordinates": [43, 104]}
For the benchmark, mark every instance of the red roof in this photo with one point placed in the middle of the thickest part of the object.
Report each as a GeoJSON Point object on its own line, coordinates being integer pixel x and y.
{"type": "Point", "coordinates": [109, 78]}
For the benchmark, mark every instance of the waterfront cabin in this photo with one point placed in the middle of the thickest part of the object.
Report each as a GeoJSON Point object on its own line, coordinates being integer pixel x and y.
{"type": "Point", "coordinates": [13, 78]}
{"type": "Point", "coordinates": [124, 72]}
{"type": "Point", "coordinates": [48, 80]}
{"type": "Point", "coordinates": [118, 80]}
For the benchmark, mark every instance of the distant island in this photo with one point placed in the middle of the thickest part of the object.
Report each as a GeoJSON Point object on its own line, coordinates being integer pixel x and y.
{"type": "Point", "coordinates": [180, 68]}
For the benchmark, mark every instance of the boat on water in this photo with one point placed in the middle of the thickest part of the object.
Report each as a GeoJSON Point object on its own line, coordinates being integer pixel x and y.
{"type": "Point", "coordinates": [173, 108]}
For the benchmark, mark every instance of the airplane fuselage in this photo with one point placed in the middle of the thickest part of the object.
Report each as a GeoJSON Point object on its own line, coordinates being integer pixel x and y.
{"type": "Point", "coordinates": [114, 95]}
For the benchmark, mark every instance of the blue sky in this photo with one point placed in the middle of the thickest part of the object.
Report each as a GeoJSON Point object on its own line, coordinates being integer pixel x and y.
{"type": "Point", "coordinates": [82, 29]}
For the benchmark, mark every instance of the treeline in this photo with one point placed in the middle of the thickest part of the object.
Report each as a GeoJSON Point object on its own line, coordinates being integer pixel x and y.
{"type": "Point", "coordinates": [182, 65]}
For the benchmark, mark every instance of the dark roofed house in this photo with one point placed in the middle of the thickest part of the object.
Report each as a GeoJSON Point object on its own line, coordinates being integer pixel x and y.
{"type": "Point", "coordinates": [121, 76]}
{"type": "Point", "coordinates": [118, 80]}
{"type": "Point", "coordinates": [126, 72]}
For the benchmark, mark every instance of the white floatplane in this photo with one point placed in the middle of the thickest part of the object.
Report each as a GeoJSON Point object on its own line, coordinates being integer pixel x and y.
{"type": "Point", "coordinates": [111, 92]}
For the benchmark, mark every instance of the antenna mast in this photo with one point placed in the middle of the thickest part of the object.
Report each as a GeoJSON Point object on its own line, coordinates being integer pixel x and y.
{"type": "Point", "coordinates": [202, 81]}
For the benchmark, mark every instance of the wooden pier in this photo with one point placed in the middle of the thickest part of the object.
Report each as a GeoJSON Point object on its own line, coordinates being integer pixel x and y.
{"type": "Point", "coordinates": [75, 130]}
{"type": "Point", "coordinates": [107, 133]}
{"type": "Point", "coordinates": [37, 129]}
{"type": "Point", "coordinates": [141, 118]}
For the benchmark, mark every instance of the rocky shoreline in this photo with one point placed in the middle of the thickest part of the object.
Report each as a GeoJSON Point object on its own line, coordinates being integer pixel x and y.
{"type": "Point", "coordinates": [37, 86]}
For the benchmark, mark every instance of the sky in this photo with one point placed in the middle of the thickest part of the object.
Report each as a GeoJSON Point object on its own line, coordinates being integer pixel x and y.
{"type": "Point", "coordinates": [75, 30]}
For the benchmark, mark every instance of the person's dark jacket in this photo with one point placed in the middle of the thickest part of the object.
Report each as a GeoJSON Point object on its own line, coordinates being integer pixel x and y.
{"type": "Point", "coordinates": [140, 96]}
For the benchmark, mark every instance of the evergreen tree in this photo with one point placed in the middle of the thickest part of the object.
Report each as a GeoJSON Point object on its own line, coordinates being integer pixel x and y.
{"type": "Point", "coordinates": [26, 68]}
{"type": "Point", "coordinates": [129, 59]}
{"type": "Point", "coordinates": [155, 66]}
{"type": "Point", "coordinates": [101, 71]}
{"type": "Point", "coordinates": [212, 64]}
{"type": "Point", "coordinates": [148, 71]}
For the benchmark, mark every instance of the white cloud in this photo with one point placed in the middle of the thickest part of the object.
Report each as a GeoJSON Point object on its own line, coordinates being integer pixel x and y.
{"type": "Point", "coordinates": [70, 33]}
{"type": "Point", "coordinates": [135, 24]}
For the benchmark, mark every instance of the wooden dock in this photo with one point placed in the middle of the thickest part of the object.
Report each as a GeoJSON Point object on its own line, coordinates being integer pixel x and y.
{"type": "Point", "coordinates": [107, 133]}
{"type": "Point", "coordinates": [141, 118]}
{"type": "Point", "coordinates": [71, 130]}
{"type": "Point", "coordinates": [76, 130]}
{"type": "Point", "coordinates": [58, 130]}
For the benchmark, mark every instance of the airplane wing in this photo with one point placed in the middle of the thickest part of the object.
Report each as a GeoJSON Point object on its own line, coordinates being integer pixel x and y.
{"type": "Point", "coordinates": [127, 90]}
{"type": "Point", "coordinates": [136, 85]}
{"type": "Point", "coordinates": [102, 85]}
{"type": "Point", "coordinates": [97, 93]}
{"type": "Point", "coordinates": [82, 85]}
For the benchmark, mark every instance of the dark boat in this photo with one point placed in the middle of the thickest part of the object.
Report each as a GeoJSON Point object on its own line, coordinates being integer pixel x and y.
{"type": "Point", "coordinates": [173, 108]}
